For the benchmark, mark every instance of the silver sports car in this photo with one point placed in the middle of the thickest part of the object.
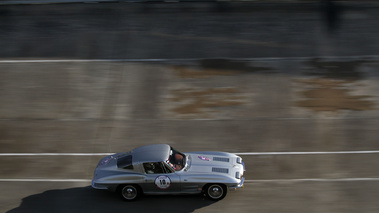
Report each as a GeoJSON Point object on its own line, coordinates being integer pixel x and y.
{"type": "Point", "coordinates": [160, 169]}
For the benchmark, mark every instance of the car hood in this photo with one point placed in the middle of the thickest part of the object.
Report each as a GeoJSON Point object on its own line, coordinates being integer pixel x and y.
{"type": "Point", "coordinates": [214, 162]}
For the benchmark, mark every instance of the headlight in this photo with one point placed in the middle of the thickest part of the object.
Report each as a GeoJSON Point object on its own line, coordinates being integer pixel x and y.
{"type": "Point", "coordinates": [239, 160]}
{"type": "Point", "coordinates": [238, 175]}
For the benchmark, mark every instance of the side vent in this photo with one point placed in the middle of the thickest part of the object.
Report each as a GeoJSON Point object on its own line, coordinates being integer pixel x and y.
{"type": "Point", "coordinates": [221, 159]}
{"type": "Point", "coordinates": [220, 170]}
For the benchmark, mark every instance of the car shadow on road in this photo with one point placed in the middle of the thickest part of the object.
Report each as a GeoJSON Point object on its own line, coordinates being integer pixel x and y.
{"type": "Point", "coordinates": [86, 199]}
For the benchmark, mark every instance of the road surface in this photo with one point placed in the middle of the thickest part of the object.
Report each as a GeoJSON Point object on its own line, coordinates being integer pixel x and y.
{"type": "Point", "coordinates": [299, 103]}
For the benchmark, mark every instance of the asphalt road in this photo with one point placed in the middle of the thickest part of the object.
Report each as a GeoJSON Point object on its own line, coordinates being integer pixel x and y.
{"type": "Point", "coordinates": [255, 106]}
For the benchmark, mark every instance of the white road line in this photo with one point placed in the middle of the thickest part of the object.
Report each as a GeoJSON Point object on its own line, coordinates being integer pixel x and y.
{"type": "Point", "coordinates": [246, 181]}
{"type": "Point", "coordinates": [313, 180]}
{"type": "Point", "coordinates": [309, 153]}
{"type": "Point", "coordinates": [82, 60]}
{"type": "Point", "coordinates": [53, 154]}
{"type": "Point", "coordinates": [43, 180]}
{"type": "Point", "coordinates": [238, 153]}
{"type": "Point", "coordinates": [357, 57]}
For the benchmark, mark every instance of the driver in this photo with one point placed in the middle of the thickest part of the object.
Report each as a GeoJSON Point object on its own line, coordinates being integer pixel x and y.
{"type": "Point", "coordinates": [178, 167]}
{"type": "Point", "coordinates": [178, 164]}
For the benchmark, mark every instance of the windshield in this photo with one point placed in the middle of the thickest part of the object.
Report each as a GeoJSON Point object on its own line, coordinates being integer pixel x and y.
{"type": "Point", "coordinates": [176, 160]}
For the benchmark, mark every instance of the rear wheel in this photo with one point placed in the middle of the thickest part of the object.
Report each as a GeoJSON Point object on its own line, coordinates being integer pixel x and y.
{"type": "Point", "coordinates": [129, 192]}
{"type": "Point", "coordinates": [215, 191]}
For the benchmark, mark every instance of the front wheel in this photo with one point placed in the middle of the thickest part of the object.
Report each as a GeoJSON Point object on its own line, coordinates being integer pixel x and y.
{"type": "Point", "coordinates": [129, 192]}
{"type": "Point", "coordinates": [215, 191]}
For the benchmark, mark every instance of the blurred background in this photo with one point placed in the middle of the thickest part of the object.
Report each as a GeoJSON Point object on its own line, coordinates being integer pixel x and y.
{"type": "Point", "coordinates": [275, 81]}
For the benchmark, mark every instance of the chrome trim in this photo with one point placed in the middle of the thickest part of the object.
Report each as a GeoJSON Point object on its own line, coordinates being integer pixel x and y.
{"type": "Point", "coordinates": [241, 183]}
{"type": "Point", "coordinates": [97, 186]}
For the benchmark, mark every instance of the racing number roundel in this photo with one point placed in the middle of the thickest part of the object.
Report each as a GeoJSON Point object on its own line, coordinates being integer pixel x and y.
{"type": "Point", "coordinates": [162, 182]}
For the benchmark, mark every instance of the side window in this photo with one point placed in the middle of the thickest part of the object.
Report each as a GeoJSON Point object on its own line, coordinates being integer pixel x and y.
{"type": "Point", "coordinates": [167, 169]}
{"type": "Point", "coordinates": [125, 161]}
{"type": "Point", "coordinates": [153, 168]}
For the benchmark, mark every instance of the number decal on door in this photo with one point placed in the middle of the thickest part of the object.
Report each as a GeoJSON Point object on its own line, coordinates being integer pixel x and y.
{"type": "Point", "coordinates": [162, 182]}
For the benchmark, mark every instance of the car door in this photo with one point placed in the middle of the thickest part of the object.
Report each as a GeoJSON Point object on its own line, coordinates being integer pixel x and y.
{"type": "Point", "coordinates": [159, 179]}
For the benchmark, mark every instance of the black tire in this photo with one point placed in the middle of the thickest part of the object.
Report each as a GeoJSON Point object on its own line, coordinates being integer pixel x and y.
{"type": "Point", "coordinates": [215, 191]}
{"type": "Point", "coordinates": [129, 192]}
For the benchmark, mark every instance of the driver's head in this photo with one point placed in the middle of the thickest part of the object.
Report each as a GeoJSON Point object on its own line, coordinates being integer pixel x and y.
{"type": "Point", "coordinates": [178, 157]}
{"type": "Point", "coordinates": [178, 167]}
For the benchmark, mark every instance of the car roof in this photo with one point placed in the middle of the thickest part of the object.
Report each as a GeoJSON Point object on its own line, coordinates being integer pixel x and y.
{"type": "Point", "coordinates": [151, 153]}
